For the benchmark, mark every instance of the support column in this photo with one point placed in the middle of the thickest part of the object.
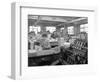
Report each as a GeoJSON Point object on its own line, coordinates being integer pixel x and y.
{"type": "Point", "coordinates": [43, 28]}
{"type": "Point", "coordinates": [65, 29]}
{"type": "Point", "coordinates": [58, 29]}
{"type": "Point", "coordinates": [76, 29]}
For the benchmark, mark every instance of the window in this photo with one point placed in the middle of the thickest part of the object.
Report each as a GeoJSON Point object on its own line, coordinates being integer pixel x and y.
{"type": "Point", "coordinates": [62, 29]}
{"type": "Point", "coordinates": [51, 29]}
{"type": "Point", "coordinates": [84, 28]}
{"type": "Point", "coordinates": [36, 29]}
{"type": "Point", "coordinates": [71, 30]}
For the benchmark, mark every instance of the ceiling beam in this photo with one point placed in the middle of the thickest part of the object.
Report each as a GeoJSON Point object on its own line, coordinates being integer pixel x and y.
{"type": "Point", "coordinates": [48, 18]}
{"type": "Point", "coordinates": [75, 21]}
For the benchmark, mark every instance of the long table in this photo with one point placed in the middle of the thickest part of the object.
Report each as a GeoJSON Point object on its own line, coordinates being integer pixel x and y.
{"type": "Point", "coordinates": [44, 52]}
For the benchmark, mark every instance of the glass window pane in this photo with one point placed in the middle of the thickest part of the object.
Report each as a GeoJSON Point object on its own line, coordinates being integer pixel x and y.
{"type": "Point", "coordinates": [35, 29]}
{"type": "Point", "coordinates": [51, 29]}
{"type": "Point", "coordinates": [84, 28]}
{"type": "Point", "coordinates": [71, 30]}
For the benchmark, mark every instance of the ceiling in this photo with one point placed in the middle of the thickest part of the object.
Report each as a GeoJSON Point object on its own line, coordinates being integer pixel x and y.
{"type": "Point", "coordinates": [54, 20]}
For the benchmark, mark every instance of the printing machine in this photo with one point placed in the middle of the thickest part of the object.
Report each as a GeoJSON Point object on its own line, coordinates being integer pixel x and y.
{"type": "Point", "coordinates": [77, 52]}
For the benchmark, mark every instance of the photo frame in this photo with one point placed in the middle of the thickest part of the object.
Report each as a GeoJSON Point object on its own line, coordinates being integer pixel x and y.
{"type": "Point", "coordinates": [24, 17]}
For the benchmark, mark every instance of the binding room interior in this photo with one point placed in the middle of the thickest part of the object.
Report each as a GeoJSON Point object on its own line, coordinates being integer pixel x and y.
{"type": "Point", "coordinates": [57, 40]}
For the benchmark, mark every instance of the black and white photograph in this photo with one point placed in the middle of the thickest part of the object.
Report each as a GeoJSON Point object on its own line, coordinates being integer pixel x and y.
{"type": "Point", "coordinates": [57, 40]}
{"type": "Point", "coordinates": [50, 41]}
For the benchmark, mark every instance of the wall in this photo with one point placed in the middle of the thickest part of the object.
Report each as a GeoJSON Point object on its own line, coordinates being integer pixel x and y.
{"type": "Point", "coordinates": [5, 36]}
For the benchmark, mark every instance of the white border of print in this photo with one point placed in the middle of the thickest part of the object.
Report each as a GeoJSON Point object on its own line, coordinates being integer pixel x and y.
{"type": "Point", "coordinates": [20, 69]}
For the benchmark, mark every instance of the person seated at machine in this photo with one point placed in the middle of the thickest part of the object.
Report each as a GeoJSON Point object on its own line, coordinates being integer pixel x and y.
{"type": "Point", "coordinates": [55, 35]}
{"type": "Point", "coordinates": [38, 35]}
{"type": "Point", "coordinates": [44, 42]}
{"type": "Point", "coordinates": [37, 46]}
{"type": "Point", "coordinates": [31, 40]}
